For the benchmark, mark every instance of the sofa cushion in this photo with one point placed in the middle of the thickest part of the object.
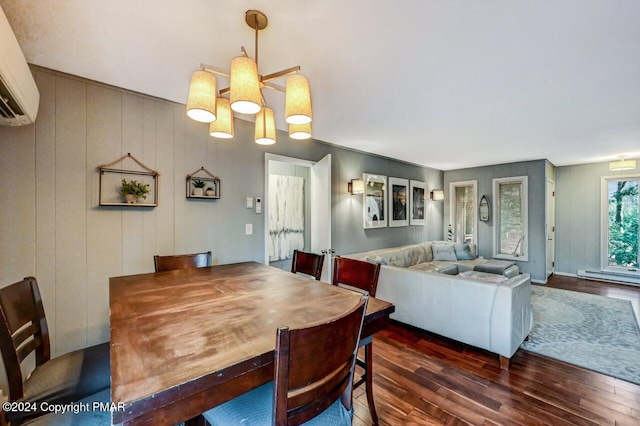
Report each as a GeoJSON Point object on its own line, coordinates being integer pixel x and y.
{"type": "Point", "coordinates": [378, 259]}
{"type": "Point", "coordinates": [494, 266]}
{"type": "Point", "coordinates": [444, 252]}
{"type": "Point", "coordinates": [405, 256]}
{"type": "Point", "coordinates": [428, 252]}
{"type": "Point", "coordinates": [414, 254]}
{"type": "Point", "coordinates": [463, 251]}
{"type": "Point", "coordinates": [484, 276]}
{"type": "Point", "coordinates": [427, 266]}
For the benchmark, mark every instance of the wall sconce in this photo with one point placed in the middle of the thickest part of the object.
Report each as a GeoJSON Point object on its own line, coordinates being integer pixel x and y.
{"type": "Point", "coordinates": [356, 186]}
{"type": "Point", "coordinates": [437, 195]}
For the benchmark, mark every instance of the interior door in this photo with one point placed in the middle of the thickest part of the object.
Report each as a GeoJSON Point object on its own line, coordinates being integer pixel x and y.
{"type": "Point", "coordinates": [550, 225]}
{"type": "Point", "coordinates": [321, 212]}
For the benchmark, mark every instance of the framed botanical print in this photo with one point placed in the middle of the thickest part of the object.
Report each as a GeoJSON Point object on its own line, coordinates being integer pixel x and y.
{"type": "Point", "coordinates": [417, 205]}
{"type": "Point", "coordinates": [398, 202]}
{"type": "Point", "coordinates": [374, 210]}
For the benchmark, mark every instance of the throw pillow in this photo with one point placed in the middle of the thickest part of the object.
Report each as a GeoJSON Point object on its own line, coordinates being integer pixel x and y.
{"type": "Point", "coordinates": [444, 252]}
{"type": "Point", "coordinates": [463, 251]}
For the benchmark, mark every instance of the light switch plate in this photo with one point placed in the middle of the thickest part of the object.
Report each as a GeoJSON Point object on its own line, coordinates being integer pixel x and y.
{"type": "Point", "coordinates": [248, 229]}
{"type": "Point", "coordinates": [248, 202]}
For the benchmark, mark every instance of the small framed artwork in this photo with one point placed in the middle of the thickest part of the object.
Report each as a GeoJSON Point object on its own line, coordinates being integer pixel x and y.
{"type": "Point", "coordinates": [374, 210]}
{"type": "Point", "coordinates": [484, 209]}
{"type": "Point", "coordinates": [398, 202]}
{"type": "Point", "coordinates": [417, 206]}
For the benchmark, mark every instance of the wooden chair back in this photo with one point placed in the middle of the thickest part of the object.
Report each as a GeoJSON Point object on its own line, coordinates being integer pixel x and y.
{"type": "Point", "coordinates": [314, 366]}
{"type": "Point", "coordinates": [356, 273]}
{"type": "Point", "coordinates": [24, 330]}
{"type": "Point", "coordinates": [182, 261]}
{"type": "Point", "coordinates": [307, 263]}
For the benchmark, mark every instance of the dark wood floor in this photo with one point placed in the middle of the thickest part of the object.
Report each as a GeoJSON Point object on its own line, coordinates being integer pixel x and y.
{"type": "Point", "coordinates": [420, 379]}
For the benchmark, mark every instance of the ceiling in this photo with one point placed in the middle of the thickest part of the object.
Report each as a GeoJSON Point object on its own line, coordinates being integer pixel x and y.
{"type": "Point", "coordinates": [444, 84]}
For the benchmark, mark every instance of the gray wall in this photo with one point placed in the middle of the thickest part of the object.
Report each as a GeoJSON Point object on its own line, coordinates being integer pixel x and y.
{"type": "Point", "coordinates": [536, 171]}
{"type": "Point", "coordinates": [52, 228]}
{"type": "Point", "coordinates": [578, 216]}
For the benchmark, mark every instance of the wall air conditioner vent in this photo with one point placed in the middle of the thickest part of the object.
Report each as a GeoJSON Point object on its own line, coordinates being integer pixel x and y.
{"type": "Point", "coordinates": [19, 95]}
{"type": "Point", "coordinates": [8, 106]}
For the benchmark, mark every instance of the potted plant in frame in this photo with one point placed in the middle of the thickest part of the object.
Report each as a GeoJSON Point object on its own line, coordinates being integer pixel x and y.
{"type": "Point", "coordinates": [198, 188]}
{"type": "Point", "coordinates": [131, 190]}
{"type": "Point", "coordinates": [210, 192]}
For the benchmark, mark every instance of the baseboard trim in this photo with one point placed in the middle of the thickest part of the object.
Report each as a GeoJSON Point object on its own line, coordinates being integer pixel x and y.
{"type": "Point", "coordinates": [566, 274]}
{"type": "Point", "coordinates": [608, 277]}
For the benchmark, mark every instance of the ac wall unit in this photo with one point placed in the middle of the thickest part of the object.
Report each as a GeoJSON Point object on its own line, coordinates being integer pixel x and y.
{"type": "Point", "coordinates": [19, 95]}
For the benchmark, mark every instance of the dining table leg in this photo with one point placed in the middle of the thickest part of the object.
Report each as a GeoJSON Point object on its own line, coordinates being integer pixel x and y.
{"type": "Point", "coordinates": [368, 360]}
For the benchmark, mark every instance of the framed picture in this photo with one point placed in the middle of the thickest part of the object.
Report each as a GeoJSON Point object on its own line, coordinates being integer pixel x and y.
{"type": "Point", "coordinates": [484, 209]}
{"type": "Point", "coordinates": [417, 206]}
{"type": "Point", "coordinates": [374, 210]}
{"type": "Point", "coordinates": [398, 197]}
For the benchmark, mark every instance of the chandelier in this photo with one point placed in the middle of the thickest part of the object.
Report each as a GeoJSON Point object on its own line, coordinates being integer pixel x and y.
{"type": "Point", "coordinates": [208, 105]}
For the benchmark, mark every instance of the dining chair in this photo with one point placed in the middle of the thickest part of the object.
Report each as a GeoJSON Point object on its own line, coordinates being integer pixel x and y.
{"type": "Point", "coordinates": [94, 416]}
{"type": "Point", "coordinates": [182, 261]}
{"type": "Point", "coordinates": [307, 263]}
{"type": "Point", "coordinates": [61, 380]}
{"type": "Point", "coordinates": [362, 276]}
{"type": "Point", "coordinates": [313, 378]}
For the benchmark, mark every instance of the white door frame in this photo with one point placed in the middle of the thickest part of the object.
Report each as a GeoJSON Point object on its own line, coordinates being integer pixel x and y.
{"type": "Point", "coordinates": [550, 228]}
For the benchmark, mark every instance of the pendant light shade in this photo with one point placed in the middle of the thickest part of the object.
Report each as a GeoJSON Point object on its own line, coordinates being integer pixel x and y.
{"type": "Point", "coordinates": [245, 94]}
{"type": "Point", "coordinates": [223, 126]}
{"type": "Point", "coordinates": [297, 100]}
{"type": "Point", "coordinates": [265, 127]}
{"type": "Point", "coordinates": [300, 131]}
{"type": "Point", "coordinates": [245, 86]}
{"type": "Point", "coordinates": [201, 104]}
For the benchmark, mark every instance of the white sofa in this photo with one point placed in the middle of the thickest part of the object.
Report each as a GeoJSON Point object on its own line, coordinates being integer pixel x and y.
{"type": "Point", "coordinates": [479, 311]}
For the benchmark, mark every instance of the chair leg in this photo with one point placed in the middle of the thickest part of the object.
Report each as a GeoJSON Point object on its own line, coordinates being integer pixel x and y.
{"type": "Point", "coordinates": [368, 359]}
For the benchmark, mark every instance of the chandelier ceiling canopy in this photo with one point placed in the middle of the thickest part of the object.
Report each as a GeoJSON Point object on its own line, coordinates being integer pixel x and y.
{"type": "Point", "coordinates": [207, 104]}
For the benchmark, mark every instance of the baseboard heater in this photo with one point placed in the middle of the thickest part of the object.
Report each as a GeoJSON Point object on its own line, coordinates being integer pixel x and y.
{"type": "Point", "coordinates": [609, 276]}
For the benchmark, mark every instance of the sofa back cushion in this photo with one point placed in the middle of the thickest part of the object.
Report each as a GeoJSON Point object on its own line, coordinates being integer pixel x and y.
{"type": "Point", "coordinates": [404, 256]}
{"type": "Point", "coordinates": [428, 251]}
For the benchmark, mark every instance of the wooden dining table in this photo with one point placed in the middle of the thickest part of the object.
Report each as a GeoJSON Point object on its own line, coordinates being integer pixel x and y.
{"type": "Point", "coordinates": [187, 340]}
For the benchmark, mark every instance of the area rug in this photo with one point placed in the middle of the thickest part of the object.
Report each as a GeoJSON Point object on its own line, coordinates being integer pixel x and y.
{"type": "Point", "coordinates": [594, 332]}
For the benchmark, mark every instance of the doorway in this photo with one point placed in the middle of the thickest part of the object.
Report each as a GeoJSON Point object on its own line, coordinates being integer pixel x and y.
{"type": "Point", "coordinates": [297, 209]}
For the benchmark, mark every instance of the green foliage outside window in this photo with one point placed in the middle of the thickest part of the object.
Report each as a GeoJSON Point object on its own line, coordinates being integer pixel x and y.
{"type": "Point", "coordinates": [623, 223]}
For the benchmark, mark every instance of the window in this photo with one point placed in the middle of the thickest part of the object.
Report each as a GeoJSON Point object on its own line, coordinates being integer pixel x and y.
{"type": "Point", "coordinates": [620, 235]}
{"type": "Point", "coordinates": [510, 231]}
{"type": "Point", "coordinates": [463, 211]}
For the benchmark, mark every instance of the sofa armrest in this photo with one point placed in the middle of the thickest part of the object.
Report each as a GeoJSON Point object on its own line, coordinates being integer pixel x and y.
{"type": "Point", "coordinates": [512, 315]}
